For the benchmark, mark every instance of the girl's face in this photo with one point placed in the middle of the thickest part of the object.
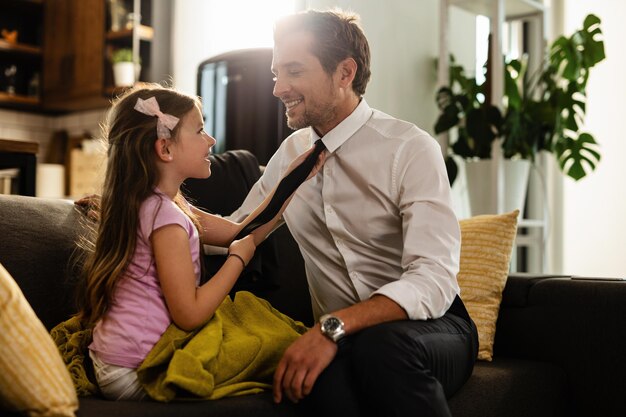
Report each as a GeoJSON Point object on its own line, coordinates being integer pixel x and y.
{"type": "Point", "coordinates": [191, 150]}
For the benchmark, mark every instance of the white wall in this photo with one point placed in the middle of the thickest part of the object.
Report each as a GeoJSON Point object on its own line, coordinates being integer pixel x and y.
{"type": "Point", "coordinates": [595, 207]}
{"type": "Point", "coordinates": [22, 126]}
{"type": "Point", "coordinates": [403, 39]}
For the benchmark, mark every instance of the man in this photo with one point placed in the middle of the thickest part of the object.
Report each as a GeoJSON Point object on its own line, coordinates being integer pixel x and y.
{"type": "Point", "coordinates": [378, 235]}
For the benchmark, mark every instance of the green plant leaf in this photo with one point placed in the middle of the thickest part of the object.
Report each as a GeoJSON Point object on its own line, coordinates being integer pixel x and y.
{"type": "Point", "coordinates": [451, 168]}
{"type": "Point", "coordinates": [122, 55]}
{"type": "Point", "coordinates": [511, 89]}
{"type": "Point", "coordinates": [593, 40]}
{"type": "Point", "coordinates": [590, 20]}
{"type": "Point", "coordinates": [577, 156]}
{"type": "Point", "coordinates": [462, 146]}
{"type": "Point", "coordinates": [447, 119]}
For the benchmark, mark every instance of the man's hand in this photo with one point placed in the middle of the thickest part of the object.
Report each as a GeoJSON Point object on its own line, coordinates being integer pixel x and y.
{"type": "Point", "coordinates": [301, 364]}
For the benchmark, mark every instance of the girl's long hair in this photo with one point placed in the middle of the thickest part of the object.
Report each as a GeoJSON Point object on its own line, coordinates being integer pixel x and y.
{"type": "Point", "coordinates": [131, 175]}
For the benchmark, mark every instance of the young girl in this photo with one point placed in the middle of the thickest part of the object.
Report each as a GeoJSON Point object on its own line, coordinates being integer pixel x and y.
{"type": "Point", "coordinates": [144, 272]}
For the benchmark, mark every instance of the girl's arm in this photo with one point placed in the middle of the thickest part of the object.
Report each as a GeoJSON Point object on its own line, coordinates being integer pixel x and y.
{"type": "Point", "coordinates": [261, 232]}
{"type": "Point", "coordinates": [221, 232]}
{"type": "Point", "coordinates": [192, 306]}
{"type": "Point", "coordinates": [216, 230]}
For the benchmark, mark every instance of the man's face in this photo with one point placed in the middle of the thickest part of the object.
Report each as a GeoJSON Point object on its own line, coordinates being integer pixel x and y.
{"type": "Point", "coordinates": [308, 92]}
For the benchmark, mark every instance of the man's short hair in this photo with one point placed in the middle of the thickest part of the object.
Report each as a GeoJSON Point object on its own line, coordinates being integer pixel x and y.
{"type": "Point", "coordinates": [338, 36]}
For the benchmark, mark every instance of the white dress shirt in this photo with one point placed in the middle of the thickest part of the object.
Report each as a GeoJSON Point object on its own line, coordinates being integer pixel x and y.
{"type": "Point", "coordinates": [377, 219]}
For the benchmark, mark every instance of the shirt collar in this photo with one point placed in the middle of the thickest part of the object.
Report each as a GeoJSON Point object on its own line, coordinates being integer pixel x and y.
{"type": "Point", "coordinates": [344, 130]}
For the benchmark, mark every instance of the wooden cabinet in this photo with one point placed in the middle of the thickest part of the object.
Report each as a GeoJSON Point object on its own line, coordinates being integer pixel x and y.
{"type": "Point", "coordinates": [64, 48]}
{"type": "Point", "coordinates": [73, 54]}
{"type": "Point", "coordinates": [21, 42]}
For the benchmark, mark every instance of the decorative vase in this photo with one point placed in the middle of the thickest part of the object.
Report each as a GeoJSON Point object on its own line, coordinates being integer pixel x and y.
{"type": "Point", "coordinates": [479, 175]}
{"type": "Point", "coordinates": [124, 74]}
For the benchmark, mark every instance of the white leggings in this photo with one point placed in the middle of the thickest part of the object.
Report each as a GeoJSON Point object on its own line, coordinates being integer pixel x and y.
{"type": "Point", "coordinates": [117, 382]}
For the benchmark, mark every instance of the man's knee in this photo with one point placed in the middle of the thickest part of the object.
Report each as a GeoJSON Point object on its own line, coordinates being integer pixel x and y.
{"type": "Point", "coordinates": [393, 370]}
{"type": "Point", "coordinates": [388, 346]}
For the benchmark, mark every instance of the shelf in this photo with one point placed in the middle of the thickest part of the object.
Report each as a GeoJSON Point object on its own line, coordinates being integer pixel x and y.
{"type": "Point", "coordinates": [512, 8]}
{"type": "Point", "coordinates": [18, 146]}
{"type": "Point", "coordinates": [530, 223]}
{"type": "Point", "coordinates": [146, 33]}
{"type": "Point", "coordinates": [18, 99]}
{"type": "Point", "coordinates": [22, 4]}
{"type": "Point", "coordinates": [20, 48]}
{"type": "Point", "coordinates": [531, 237]}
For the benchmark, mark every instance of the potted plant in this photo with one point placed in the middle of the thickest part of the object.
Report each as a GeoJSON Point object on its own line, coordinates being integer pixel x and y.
{"type": "Point", "coordinates": [540, 111]}
{"type": "Point", "coordinates": [125, 70]}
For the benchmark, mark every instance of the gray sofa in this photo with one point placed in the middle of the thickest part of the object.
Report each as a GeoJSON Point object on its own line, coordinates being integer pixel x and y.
{"type": "Point", "coordinates": [560, 347]}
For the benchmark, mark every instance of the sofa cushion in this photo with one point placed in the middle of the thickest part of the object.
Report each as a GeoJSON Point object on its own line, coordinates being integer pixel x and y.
{"type": "Point", "coordinates": [486, 244]}
{"type": "Point", "coordinates": [33, 378]}
{"type": "Point", "coordinates": [579, 326]}
{"type": "Point", "coordinates": [512, 388]}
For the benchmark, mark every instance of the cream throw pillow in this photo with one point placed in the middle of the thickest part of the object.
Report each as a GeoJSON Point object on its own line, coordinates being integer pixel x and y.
{"type": "Point", "coordinates": [486, 246]}
{"type": "Point", "coordinates": [33, 377]}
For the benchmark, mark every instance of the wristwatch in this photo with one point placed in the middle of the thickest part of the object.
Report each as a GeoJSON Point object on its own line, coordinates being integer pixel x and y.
{"type": "Point", "coordinates": [332, 327]}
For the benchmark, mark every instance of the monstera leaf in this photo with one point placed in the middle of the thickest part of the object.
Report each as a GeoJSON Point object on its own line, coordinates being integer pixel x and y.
{"type": "Point", "coordinates": [578, 155]}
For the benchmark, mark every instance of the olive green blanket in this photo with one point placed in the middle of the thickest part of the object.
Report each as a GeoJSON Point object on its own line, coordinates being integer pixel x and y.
{"type": "Point", "coordinates": [235, 353]}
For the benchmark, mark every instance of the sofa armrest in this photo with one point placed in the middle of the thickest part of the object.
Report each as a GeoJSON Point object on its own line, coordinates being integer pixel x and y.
{"type": "Point", "coordinates": [518, 287]}
{"type": "Point", "coordinates": [578, 325]}
{"type": "Point", "coordinates": [38, 248]}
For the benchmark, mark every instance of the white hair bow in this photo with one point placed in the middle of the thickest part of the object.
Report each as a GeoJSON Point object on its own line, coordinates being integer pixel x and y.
{"type": "Point", "coordinates": [165, 123]}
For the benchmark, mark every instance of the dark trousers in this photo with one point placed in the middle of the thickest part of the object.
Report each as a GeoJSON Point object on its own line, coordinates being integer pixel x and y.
{"type": "Point", "coordinates": [400, 368]}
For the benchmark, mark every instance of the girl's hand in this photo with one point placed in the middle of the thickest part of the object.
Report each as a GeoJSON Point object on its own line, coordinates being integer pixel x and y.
{"type": "Point", "coordinates": [300, 159]}
{"type": "Point", "coordinates": [90, 205]}
{"type": "Point", "coordinates": [243, 247]}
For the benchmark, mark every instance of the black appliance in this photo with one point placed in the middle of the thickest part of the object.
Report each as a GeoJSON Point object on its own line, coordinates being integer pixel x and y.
{"type": "Point", "coordinates": [240, 111]}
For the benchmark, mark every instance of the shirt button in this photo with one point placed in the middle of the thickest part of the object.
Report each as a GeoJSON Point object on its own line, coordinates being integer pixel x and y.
{"type": "Point", "coordinates": [329, 210]}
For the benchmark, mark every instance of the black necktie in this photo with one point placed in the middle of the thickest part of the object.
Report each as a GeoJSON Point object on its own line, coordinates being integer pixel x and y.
{"type": "Point", "coordinates": [285, 188]}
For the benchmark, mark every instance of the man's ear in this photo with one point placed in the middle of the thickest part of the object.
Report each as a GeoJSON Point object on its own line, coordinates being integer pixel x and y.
{"type": "Point", "coordinates": [346, 71]}
{"type": "Point", "coordinates": [162, 149]}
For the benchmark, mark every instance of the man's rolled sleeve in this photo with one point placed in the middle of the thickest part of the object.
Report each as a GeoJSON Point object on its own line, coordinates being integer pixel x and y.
{"type": "Point", "coordinates": [431, 235]}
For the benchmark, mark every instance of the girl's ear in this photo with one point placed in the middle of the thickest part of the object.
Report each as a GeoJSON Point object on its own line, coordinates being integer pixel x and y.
{"type": "Point", "coordinates": [162, 149]}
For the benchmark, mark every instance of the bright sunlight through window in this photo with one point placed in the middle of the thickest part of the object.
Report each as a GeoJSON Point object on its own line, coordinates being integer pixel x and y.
{"type": "Point", "coordinates": [248, 23]}
{"type": "Point", "coordinates": [206, 28]}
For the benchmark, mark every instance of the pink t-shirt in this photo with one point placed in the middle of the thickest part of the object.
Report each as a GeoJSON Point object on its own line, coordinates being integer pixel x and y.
{"type": "Point", "coordinates": [138, 315]}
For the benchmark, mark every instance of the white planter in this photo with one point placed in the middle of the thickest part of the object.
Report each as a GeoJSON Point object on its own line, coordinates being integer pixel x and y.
{"type": "Point", "coordinates": [124, 74]}
{"type": "Point", "coordinates": [479, 175]}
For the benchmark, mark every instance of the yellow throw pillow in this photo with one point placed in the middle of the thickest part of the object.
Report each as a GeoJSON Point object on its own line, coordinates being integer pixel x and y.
{"type": "Point", "coordinates": [33, 377]}
{"type": "Point", "coordinates": [486, 246]}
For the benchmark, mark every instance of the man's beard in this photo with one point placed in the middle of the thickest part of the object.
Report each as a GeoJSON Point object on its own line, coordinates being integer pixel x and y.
{"type": "Point", "coordinates": [312, 118]}
{"type": "Point", "coordinates": [319, 114]}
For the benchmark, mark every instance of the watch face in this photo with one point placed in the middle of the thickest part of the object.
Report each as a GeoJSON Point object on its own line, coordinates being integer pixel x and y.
{"type": "Point", "coordinates": [332, 327]}
{"type": "Point", "coordinates": [331, 324]}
